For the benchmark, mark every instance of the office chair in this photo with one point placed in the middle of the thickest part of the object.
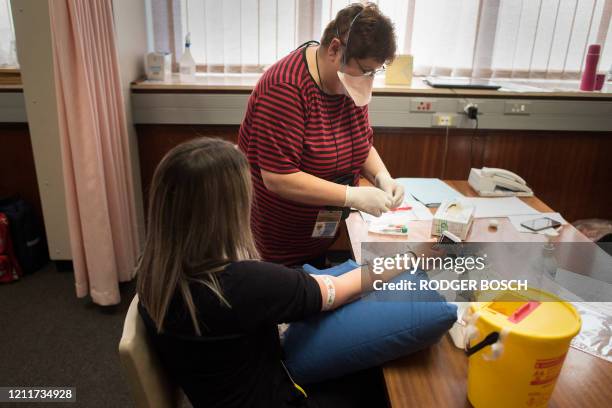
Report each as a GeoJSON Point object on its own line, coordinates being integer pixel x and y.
{"type": "Point", "coordinates": [148, 382]}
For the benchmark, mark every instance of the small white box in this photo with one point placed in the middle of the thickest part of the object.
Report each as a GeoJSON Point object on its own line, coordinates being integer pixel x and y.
{"type": "Point", "coordinates": [159, 66]}
{"type": "Point", "coordinates": [454, 216]}
{"type": "Point", "coordinates": [457, 333]}
{"type": "Point", "coordinates": [459, 329]}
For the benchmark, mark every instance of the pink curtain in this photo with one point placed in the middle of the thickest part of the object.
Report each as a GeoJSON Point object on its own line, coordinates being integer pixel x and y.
{"type": "Point", "coordinates": [96, 163]}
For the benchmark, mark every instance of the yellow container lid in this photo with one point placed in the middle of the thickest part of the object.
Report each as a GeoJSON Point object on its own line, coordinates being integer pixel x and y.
{"type": "Point", "coordinates": [530, 313]}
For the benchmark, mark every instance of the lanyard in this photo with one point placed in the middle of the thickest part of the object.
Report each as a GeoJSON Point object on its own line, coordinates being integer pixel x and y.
{"type": "Point", "coordinates": [300, 389]}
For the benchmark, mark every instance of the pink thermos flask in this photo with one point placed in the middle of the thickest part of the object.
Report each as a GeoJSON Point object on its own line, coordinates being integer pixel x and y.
{"type": "Point", "coordinates": [587, 83]}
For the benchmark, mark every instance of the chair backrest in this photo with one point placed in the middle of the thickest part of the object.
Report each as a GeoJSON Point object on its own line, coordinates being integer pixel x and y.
{"type": "Point", "coordinates": [148, 381]}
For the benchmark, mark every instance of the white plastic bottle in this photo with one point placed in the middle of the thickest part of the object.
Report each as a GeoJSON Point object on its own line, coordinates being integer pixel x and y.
{"type": "Point", "coordinates": [187, 65]}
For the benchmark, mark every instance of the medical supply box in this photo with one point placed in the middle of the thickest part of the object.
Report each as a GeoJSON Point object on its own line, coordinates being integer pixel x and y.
{"type": "Point", "coordinates": [158, 66]}
{"type": "Point", "coordinates": [454, 216]}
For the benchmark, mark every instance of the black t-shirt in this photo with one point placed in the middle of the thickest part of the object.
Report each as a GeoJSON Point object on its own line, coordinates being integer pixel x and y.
{"type": "Point", "coordinates": [237, 360]}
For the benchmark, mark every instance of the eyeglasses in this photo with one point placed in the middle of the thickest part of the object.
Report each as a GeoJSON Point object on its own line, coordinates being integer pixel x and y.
{"type": "Point", "coordinates": [364, 72]}
{"type": "Point", "coordinates": [371, 72]}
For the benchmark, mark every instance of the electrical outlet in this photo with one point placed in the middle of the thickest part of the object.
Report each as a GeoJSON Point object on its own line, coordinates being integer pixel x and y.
{"type": "Point", "coordinates": [517, 108]}
{"type": "Point", "coordinates": [471, 110]}
{"type": "Point", "coordinates": [444, 120]}
{"type": "Point", "coordinates": [422, 105]}
{"type": "Point", "coordinates": [470, 104]}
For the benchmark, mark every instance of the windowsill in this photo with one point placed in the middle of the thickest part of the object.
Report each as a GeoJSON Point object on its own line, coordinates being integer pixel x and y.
{"type": "Point", "coordinates": [244, 83]}
{"type": "Point", "coordinates": [513, 88]}
{"type": "Point", "coordinates": [11, 87]}
{"type": "Point", "coordinates": [9, 69]}
{"type": "Point", "coordinates": [10, 78]}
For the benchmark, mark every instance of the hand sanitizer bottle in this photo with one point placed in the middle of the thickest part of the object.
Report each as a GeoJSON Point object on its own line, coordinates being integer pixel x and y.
{"type": "Point", "coordinates": [187, 65]}
{"type": "Point", "coordinates": [549, 261]}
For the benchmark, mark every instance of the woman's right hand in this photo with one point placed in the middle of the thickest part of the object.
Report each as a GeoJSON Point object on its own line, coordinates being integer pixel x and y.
{"type": "Point", "coordinates": [371, 200]}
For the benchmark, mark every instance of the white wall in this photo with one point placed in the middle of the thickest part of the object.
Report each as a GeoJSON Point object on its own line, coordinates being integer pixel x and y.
{"type": "Point", "coordinates": [131, 34]}
{"type": "Point", "coordinates": [34, 48]}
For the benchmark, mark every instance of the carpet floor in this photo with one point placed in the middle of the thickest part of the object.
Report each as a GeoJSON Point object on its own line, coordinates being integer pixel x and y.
{"type": "Point", "coordinates": [52, 338]}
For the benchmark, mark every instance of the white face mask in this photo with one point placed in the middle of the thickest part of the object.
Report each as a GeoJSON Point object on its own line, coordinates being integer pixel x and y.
{"type": "Point", "coordinates": [359, 88]}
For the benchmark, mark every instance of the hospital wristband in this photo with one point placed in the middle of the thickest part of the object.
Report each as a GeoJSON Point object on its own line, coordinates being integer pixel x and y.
{"type": "Point", "coordinates": [331, 293]}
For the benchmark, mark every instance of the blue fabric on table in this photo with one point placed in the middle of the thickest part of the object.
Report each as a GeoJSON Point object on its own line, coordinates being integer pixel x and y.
{"type": "Point", "coordinates": [379, 327]}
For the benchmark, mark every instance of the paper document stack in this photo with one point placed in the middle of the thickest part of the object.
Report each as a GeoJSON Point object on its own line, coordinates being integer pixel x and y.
{"type": "Point", "coordinates": [499, 207]}
{"type": "Point", "coordinates": [390, 222]}
{"type": "Point", "coordinates": [516, 221]}
{"type": "Point", "coordinates": [429, 191]}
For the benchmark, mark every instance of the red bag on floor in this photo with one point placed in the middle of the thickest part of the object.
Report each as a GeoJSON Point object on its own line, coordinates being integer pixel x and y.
{"type": "Point", "coordinates": [9, 267]}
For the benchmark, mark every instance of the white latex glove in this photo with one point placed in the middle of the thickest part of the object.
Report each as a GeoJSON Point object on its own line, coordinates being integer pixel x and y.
{"type": "Point", "coordinates": [368, 199]}
{"type": "Point", "coordinates": [385, 182]}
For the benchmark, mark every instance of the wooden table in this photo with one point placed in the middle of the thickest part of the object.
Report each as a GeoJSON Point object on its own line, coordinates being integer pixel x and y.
{"type": "Point", "coordinates": [437, 376]}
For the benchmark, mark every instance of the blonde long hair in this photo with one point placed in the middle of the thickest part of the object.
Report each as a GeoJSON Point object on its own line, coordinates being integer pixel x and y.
{"type": "Point", "coordinates": [198, 222]}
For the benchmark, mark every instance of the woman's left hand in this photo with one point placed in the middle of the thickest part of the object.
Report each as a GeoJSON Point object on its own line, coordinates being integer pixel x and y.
{"type": "Point", "coordinates": [385, 182]}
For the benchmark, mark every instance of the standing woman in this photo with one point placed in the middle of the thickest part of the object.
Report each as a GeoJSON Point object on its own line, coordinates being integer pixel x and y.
{"type": "Point", "coordinates": [307, 137]}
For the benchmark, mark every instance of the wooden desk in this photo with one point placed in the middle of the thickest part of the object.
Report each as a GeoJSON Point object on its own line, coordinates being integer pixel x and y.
{"type": "Point", "coordinates": [437, 376]}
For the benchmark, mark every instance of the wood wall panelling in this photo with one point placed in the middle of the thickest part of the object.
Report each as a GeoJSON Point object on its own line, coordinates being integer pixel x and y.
{"type": "Point", "coordinates": [570, 171]}
{"type": "Point", "coordinates": [154, 141]}
{"type": "Point", "coordinates": [17, 170]}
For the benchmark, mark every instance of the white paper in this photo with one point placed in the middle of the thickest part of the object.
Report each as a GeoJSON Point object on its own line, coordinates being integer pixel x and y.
{"type": "Point", "coordinates": [584, 286]}
{"type": "Point", "coordinates": [418, 213]}
{"type": "Point", "coordinates": [516, 221]}
{"type": "Point", "coordinates": [595, 336]}
{"type": "Point", "coordinates": [499, 207]}
{"type": "Point", "coordinates": [429, 191]}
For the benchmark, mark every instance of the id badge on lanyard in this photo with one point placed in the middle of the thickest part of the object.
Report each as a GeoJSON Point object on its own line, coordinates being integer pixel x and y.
{"type": "Point", "coordinates": [329, 219]}
{"type": "Point", "coordinates": [327, 224]}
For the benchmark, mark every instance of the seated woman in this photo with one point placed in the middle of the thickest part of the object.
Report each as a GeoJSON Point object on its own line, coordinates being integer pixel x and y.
{"type": "Point", "coordinates": [210, 306]}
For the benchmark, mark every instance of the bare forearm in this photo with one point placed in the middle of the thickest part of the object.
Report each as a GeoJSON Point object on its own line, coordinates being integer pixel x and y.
{"type": "Point", "coordinates": [349, 286]}
{"type": "Point", "coordinates": [373, 165]}
{"type": "Point", "coordinates": [305, 188]}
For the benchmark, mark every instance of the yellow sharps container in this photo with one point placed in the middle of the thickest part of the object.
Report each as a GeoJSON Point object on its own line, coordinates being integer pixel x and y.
{"type": "Point", "coordinates": [516, 347]}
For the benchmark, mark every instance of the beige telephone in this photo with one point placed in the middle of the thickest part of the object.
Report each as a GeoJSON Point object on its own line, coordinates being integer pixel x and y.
{"type": "Point", "coordinates": [491, 182]}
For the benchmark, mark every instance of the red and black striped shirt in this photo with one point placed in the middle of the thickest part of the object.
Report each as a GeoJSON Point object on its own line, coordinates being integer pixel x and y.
{"type": "Point", "coordinates": [291, 125]}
